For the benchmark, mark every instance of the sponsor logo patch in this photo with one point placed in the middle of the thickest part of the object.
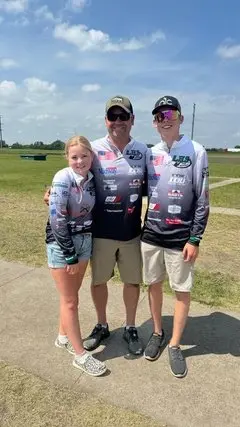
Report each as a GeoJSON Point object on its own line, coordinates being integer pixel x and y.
{"type": "Point", "coordinates": [181, 161]}
{"type": "Point", "coordinates": [134, 154]}
{"type": "Point", "coordinates": [174, 209]}
{"type": "Point", "coordinates": [173, 221]}
{"type": "Point", "coordinates": [205, 172]}
{"type": "Point", "coordinates": [157, 160]}
{"type": "Point", "coordinates": [108, 171]}
{"type": "Point", "coordinates": [175, 194]}
{"type": "Point", "coordinates": [113, 199]}
{"type": "Point", "coordinates": [133, 198]}
{"type": "Point", "coordinates": [154, 206]}
{"type": "Point", "coordinates": [176, 178]}
{"type": "Point", "coordinates": [110, 187]}
{"type": "Point", "coordinates": [154, 176]}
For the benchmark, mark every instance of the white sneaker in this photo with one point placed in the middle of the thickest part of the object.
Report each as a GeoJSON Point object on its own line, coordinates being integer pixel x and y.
{"type": "Point", "coordinates": [90, 365]}
{"type": "Point", "coordinates": [68, 346]}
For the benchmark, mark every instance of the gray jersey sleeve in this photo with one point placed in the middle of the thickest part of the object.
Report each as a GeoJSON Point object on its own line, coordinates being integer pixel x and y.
{"type": "Point", "coordinates": [58, 215]}
{"type": "Point", "coordinates": [201, 192]}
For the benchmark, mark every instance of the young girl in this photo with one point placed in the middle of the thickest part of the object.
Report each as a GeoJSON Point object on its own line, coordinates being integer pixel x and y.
{"type": "Point", "coordinates": [69, 245]}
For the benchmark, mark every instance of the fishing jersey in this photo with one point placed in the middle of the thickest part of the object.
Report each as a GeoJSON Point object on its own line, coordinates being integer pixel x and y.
{"type": "Point", "coordinates": [71, 203]}
{"type": "Point", "coordinates": [178, 194]}
{"type": "Point", "coordinates": [118, 178]}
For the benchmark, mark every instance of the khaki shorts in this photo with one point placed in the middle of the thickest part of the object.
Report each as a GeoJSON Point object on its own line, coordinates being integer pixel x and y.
{"type": "Point", "coordinates": [157, 261]}
{"type": "Point", "coordinates": [107, 253]}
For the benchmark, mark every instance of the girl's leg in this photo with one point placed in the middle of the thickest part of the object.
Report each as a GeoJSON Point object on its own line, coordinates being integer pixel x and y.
{"type": "Point", "coordinates": [68, 287]}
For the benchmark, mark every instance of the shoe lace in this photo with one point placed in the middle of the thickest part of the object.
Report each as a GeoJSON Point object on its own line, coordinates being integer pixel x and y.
{"type": "Point", "coordinates": [95, 330]}
{"type": "Point", "coordinates": [133, 334]}
{"type": "Point", "coordinates": [177, 354]}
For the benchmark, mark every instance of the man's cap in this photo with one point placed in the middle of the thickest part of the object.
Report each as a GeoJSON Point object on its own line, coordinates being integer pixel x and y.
{"type": "Point", "coordinates": [167, 101]}
{"type": "Point", "coordinates": [120, 101]}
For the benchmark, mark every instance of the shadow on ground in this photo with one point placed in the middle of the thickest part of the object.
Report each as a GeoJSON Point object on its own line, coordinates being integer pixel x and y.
{"type": "Point", "coordinates": [216, 333]}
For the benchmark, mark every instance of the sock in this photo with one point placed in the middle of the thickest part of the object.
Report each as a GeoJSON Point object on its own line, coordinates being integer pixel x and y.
{"type": "Point", "coordinates": [81, 357]}
{"type": "Point", "coordinates": [63, 339]}
{"type": "Point", "coordinates": [105, 325]}
{"type": "Point", "coordinates": [156, 333]}
{"type": "Point", "coordinates": [129, 326]}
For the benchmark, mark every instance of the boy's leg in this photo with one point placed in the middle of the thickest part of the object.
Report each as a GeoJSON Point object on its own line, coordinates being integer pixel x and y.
{"type": "Point", "coordinates": [181, 279]}
{"type": "Point", "coordinates": [154, 273]}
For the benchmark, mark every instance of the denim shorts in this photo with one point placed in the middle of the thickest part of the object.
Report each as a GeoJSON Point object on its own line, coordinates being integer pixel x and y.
{"type": "Point", "coordinates": [83, 247]}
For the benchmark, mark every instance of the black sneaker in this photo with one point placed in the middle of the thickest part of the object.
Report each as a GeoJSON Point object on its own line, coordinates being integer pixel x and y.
{"type": "Point", "coordinates": [177, 362]}
{"type": "Point", "coordinates": [154, 345]}
{"type": "Point", "coordinates": [98, 334]}
{"type": "Point", "coordinates": [134, 343]}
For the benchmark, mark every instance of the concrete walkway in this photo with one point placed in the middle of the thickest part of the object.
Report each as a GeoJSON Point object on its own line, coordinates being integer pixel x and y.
{"type": "Point", "coordinates": [224, 211]}
{"type": "Point", "coordinates": [208, 397]}
{"type": "Point", "coordinates": [223, 183]}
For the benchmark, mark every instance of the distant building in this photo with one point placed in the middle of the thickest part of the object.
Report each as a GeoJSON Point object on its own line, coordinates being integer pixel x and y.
{"type": "Point", "coordinates": [233, 150]}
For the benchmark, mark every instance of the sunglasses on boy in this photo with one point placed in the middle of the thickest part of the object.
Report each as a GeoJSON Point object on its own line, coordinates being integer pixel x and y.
{"type": "Point", "coordinates": [167, 114]}
{"type": "Point", "coordinates": [123, 117]}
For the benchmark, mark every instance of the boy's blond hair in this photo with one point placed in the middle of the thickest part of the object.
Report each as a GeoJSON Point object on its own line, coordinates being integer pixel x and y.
{"type": "Point", "coordinates": [77, 140]}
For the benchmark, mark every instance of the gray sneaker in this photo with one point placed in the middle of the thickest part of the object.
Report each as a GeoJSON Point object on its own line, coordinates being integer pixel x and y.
{"type": "Point", "coordinates": [68, 346]}
{"type": "Point", "coordinates": [177, 362]}
{"type": "Point", "coordinates": [90, 365]}
{"type": "Point", "coordinates": [154, 346]}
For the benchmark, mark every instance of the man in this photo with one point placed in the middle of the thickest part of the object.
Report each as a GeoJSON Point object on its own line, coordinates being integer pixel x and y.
{"type": "Point", "coordinates": [118, 167]}
{"type": "Point", "coordinates": [176, 218]}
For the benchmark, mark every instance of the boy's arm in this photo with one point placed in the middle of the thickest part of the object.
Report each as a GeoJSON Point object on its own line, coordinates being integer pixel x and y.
{"type": "Point", "coordinates": [201, 191]}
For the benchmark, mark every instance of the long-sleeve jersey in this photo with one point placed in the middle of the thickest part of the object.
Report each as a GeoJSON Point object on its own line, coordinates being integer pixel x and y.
{"type": "Point", "coordinates": [178, 194]}
{"type": "Point", "coordinates": [119, 177]}
{"type": "Point", "coordinates": [70, 209]}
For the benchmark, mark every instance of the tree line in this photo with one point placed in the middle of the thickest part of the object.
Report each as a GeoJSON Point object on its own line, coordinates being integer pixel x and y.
{"type": "Point", "coordinates": [37, 145]}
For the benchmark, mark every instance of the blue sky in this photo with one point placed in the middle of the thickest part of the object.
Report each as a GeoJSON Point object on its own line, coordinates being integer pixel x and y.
{"type": "Point", "coordinates": [60, 60]}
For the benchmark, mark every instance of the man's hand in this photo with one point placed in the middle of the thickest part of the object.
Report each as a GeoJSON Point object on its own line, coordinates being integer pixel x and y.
{"type": "Point", "coordinates": [73, 268]}
{"type": "Point", "coordinates": [190, 252]}
{"type": "Point", "coordinates": [46, 196]}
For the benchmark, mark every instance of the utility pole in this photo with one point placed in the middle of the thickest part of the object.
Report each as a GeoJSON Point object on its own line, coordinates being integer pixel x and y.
{"type": "Point", "coordinates": [1, 140]}
{"type": "Point", "coordinates": [193, 120]}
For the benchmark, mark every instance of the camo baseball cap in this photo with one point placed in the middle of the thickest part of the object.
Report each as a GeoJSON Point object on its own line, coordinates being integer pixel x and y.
{"type": "Point", "coordinates": [167, 101]}
{"type": "Point", "coordinates": [120, 101]}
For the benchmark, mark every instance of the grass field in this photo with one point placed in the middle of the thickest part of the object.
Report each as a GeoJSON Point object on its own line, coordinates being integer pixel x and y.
{"type": "Point", "coordinates": [29, 401]}
{"type": "Point", "coordinates": [24, 215]}
{"type": "Point", "coordinates": [224, 164]}
{"type": "Point", "coordinates": [227, 196]}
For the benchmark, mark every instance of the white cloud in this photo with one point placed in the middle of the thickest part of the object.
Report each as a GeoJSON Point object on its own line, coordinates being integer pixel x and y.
{"type": "Point", "coordinates": [7, 88]}
{"type": "Point", "coordinates": [44, 13]}
{"type": "Point", "coordinates": [229, 50]}
{"type": "Point", "coordinates": [14, 6]}
{"type": "Point", "coordinates": [37, 117]}
{"type": "Point", "coordinates": [35, 85]}
{"type": "Point", "coordinates": [77, 5]}
{"type": "Point", "coordinates": [86, 40]}
{"type": "Point", "coordinates": [7, 63]}
{"type": "Point", "coordinates": [91, 87]}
